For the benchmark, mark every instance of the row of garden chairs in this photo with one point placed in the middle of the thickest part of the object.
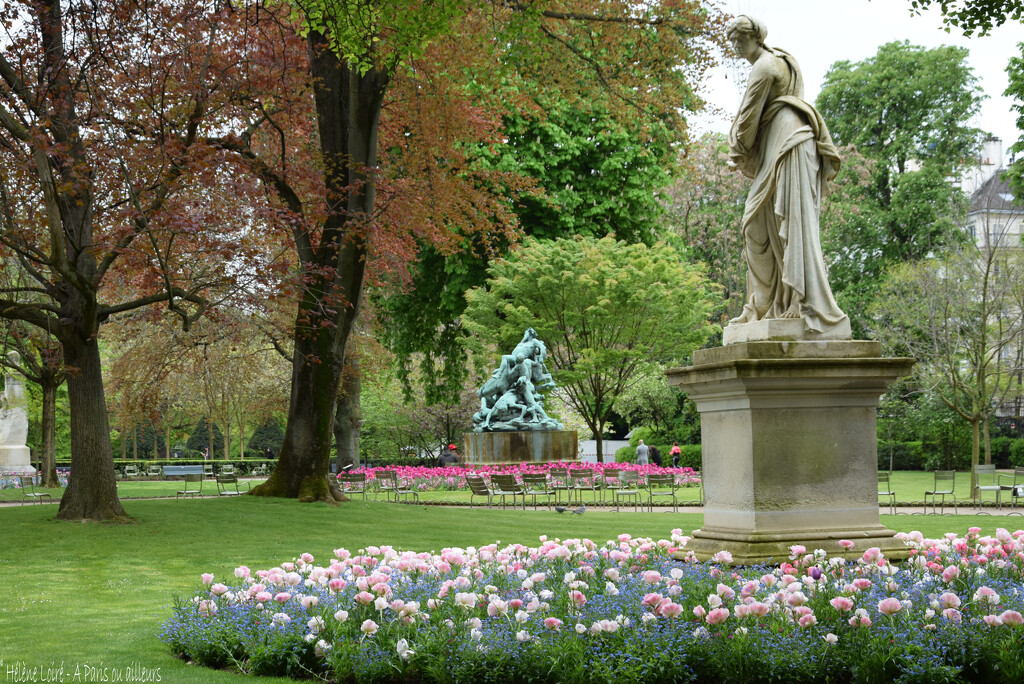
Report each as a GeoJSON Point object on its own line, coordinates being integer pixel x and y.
{"type": "Point", "coordinates": [132, 471]}
{"type": "Point", "coordinates": [625, 487]}
{"type": "Point", "coordinates": [945, 487]}
{"type": "Point", "coordinates": [387, 484]}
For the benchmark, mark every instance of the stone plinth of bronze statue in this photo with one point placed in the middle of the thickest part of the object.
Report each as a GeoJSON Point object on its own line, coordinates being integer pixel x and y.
{"type": "Point", "coordinates": [512, 425]}
{"type": "Point", "coordinates": [788, 404]}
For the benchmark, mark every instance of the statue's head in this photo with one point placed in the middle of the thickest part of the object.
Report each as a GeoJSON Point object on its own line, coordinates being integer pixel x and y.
{"type": "Point", "coordinates": [746, 25]}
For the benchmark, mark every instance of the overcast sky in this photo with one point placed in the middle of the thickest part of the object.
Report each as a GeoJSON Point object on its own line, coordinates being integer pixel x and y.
{"type": "Point", "coordinates": [820, 32]}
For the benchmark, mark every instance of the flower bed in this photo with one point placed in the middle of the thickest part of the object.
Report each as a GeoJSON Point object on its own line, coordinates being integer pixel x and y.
{"type": "Point", "coordinates": [576, 611]}
{"type": "Point", "coordinates": [453, 478]}
{"type": "Point", "coordinates": [10, 480]}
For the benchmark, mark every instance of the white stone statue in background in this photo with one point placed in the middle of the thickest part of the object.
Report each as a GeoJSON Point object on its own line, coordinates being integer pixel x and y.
{"type": "Point", "coordinates": [14, 454]}
{"type": "Point", "coordinates": [782, 143]}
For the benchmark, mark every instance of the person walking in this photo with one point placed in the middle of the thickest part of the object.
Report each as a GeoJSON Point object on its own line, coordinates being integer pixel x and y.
{"type": "Point", "coordinates": [655, 455]}
{"type": "Point", "coordinates": [641, 454]}
{"type": "Point", "coordinates": [675, 453]}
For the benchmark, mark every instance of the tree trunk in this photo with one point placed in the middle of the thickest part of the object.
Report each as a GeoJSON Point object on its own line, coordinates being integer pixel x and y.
{"type": "Point", "coordinates": [975, 454]}
{"type": "Point", "coordinates": [348, 105]}
{"type": "Point", "coordinates": [48, 427]}
{"type": "Point", "coordinates": [987, 437]}
{"type": "Point", "coordinates": [348, 418]}
{"type": "Point", "coordinates": [241, 435]}
{"type": "Point", "coordinates": [92, 488]}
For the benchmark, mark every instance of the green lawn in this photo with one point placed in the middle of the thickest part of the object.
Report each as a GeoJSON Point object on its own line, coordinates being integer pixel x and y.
{"type": "Point", "coordinates": [86, 594]}
{"type": "Point", "coordinates": [909, 486]}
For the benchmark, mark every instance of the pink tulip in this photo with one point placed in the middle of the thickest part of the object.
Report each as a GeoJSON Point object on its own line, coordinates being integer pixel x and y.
{"type": "Point", "coordinates": [699, 612]}
{"type": "Point", "coordinates": [283, 597]}
{"type": "Point", "coordinates": [1012, 617]}
{"type": "Point", "coordinates": [670, 609]}
{"type": "Point", "coordinates": [807, 620]}
{"type": "Point", "coordinates": [577, 598]}
{"type": "Point", "coordinates": [846, 544]}
{"type": "Point", "coordinates": [759, 609]}
{"type": "Point", "coordinates": [842, 604]}
{"type": "Point", "coordinates": [949, 600]}
{"type": "Point", "coordinates": [717, 616]}
{"type": "Point", "coordinates": [207, 578]}
{"type": "Point", "coordinates": [369, 628]}
{"type": "Point", "coordinates": [950, 574]}
{"type": "Point", "coordinates": [553, 623]}
{"type": "Point", "coordinates": [889, 606]}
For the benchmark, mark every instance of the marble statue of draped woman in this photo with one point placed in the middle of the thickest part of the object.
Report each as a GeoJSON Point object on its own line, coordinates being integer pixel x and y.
{"type": "Point", "coordinates": [782, 143]}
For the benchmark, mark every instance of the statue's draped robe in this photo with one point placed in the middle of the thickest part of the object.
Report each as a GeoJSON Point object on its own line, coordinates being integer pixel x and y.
{"type": "Point", "coordinates": [783, 144]}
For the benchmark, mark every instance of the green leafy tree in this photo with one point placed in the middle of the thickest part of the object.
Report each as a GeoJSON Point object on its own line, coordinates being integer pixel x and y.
{"type": "Point", "coordinates": [206, 436]}
{"type": "Point", "coordinates": [974, 15]}
{"type": "Point", "coordinates": [907, 110]}
{"type": "Point", "coordinates": [704, 209]}
{"type": "Point", "coordinates": [1015, 89]}
{"type": "Point", "coordinates": [959, 315]}
{"type": "Point", "coordinates": [363, 51]}
{"type": "Point", "coordinates": [267, 435]}
{"type": "Point", "coordinates": [591, 174]}
{"type": "Point", "coordinates": [607, 311]}
{"type": "Point", "coordinates": [651, 402]}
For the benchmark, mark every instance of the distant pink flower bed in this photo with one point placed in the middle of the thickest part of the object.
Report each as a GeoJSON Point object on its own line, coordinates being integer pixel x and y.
{"type": "Point", "coordinates": [453, 477]}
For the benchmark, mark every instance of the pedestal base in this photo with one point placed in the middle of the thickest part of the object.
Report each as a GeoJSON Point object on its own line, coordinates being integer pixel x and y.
{"type": "Point", "coordinates": [507, 448]}
{"type": "Point", "coordinates": [789, 446]}
{"type": "Point", "coordinates": [16, 459]}
{"type": "Point", "coordinates": [778, 329]}
{"type": "Point", "coordinates": [751, 549]}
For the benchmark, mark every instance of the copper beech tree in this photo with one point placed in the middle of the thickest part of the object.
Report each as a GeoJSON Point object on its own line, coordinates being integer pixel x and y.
{"type": "Point", "coordinates": [401, 93]}
{"type": "Point", "coordinates": [111, 199]}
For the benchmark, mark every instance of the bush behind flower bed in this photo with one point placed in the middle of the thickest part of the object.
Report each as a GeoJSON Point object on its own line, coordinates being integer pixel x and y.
{"type": "Point", "coordinates": [576, 611]}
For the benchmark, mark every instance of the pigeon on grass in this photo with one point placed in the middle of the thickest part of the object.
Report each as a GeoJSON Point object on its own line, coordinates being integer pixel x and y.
{"type": "Point", "coordinates": [560, 509]}
{"type": "Point", "coordinates": [581, 510]}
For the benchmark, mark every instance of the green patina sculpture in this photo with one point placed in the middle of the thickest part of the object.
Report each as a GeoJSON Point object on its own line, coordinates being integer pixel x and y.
{"type": "Point", "coordinates": [511, 399]}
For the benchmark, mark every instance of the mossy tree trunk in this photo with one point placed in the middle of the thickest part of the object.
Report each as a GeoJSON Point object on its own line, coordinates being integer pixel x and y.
{"type": "Point", "coordinates": [348, 103]}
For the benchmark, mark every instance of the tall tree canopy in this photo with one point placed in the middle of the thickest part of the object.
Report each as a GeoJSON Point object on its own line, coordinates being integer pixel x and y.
{"type": "Point", "coordinates": [974, 15]}
{"type": "Point", "coordinates": [1015, 89]}
{"type": "Point", "coordinates": [608, 311]}
{"type": "Point", "coordinates": [904, 116]}
{"type": "Point", "coordinates": [109, 199]}
{"type": "Point", "coordinates": [395, 114]}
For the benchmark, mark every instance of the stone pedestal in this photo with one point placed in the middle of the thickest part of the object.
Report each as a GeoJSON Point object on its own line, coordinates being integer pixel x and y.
{"type": "Point", "coordinates": [533, 446]}
{"type": "Point", "coordinates": [16, 459]}
{"type": "Point", "coordinates": [789, 446]}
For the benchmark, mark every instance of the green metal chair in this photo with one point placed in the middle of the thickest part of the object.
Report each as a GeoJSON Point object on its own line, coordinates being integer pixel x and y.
{"type": "Point", "coordinates": [536, 484]}
{"type": "Point", "coordinates": [945, 483]}
{"type": "Point", "coordinates": [662, 486]}
{"type": "Point", "coordinates": [885, 490]}
{"type": "Point", "coordinates": [987, 480]}
{"type": "Point", "coordinates": [629, 488]}
{"type": "Point", "coordinates": [478, 487]}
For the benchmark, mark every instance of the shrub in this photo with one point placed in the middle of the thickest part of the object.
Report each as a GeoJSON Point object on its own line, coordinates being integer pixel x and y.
{"type": "Point", "coordinates": [268, 434]}
{"type": "Point", "coordinates": [905, 456]}
{"type": "Point", "coordinates": [1017, 452]}
{"type": "Point", "coordinates": [200, 438]}
{"type": "Point", "coordinates": [1000, 451]}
